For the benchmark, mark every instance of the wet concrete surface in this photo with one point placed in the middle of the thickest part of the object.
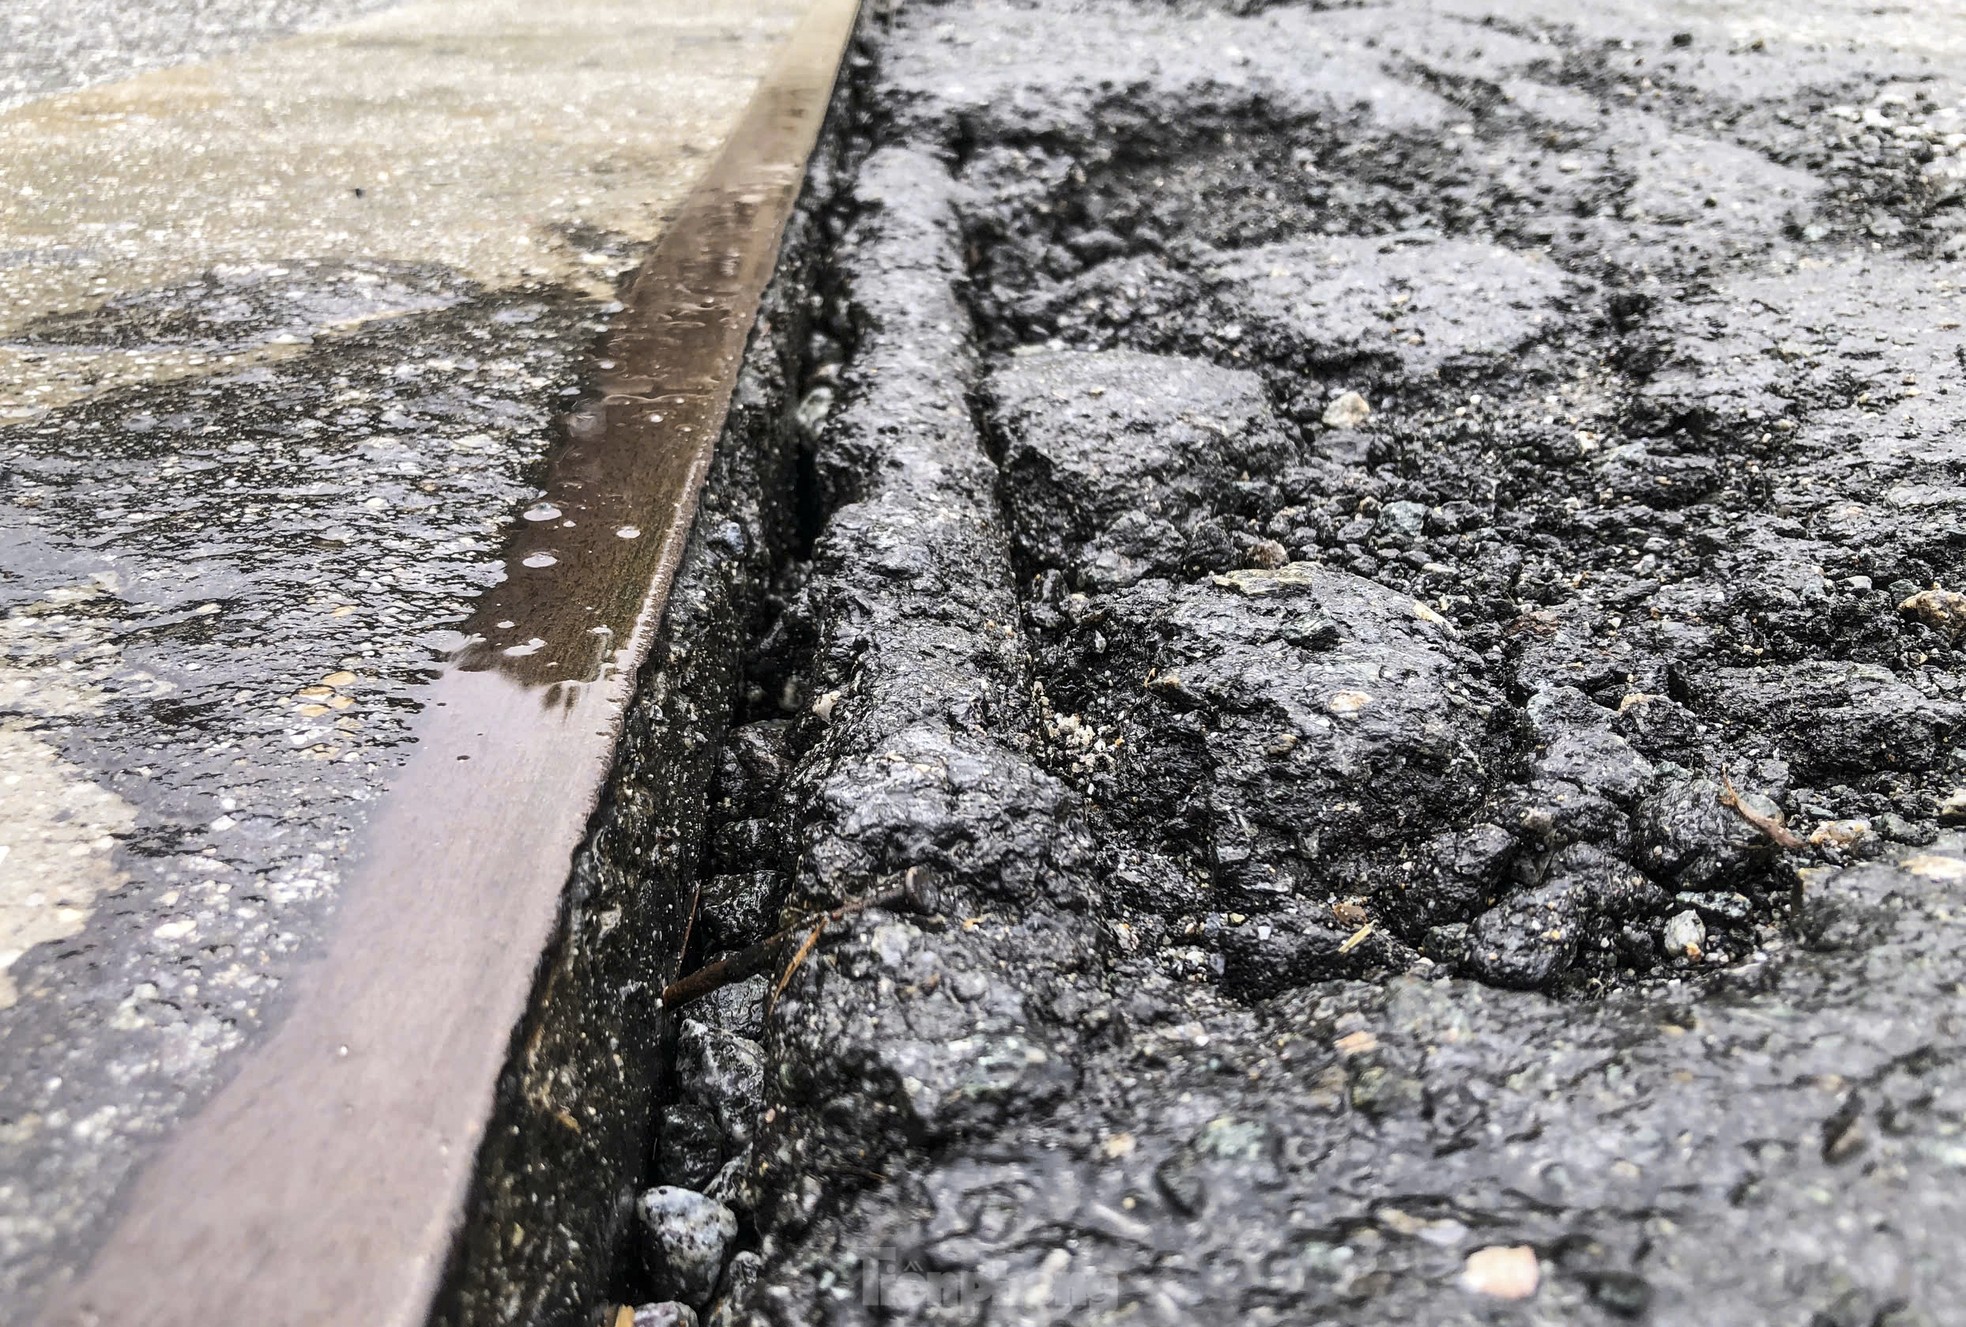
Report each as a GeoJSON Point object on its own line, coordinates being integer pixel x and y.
{"type": "Point", "coordinates": [49, 46]}
{"type": "Point", "coordinates": [264, 433]}
{"type": "Point", "coordinates": [1388, 578]}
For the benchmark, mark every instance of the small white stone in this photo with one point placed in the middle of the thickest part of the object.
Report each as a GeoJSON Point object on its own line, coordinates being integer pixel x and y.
{"type": "Point", "coordinates": [1502, 1272]}
{"type": "Point", "coordinates": [1840, 833]}
{"type": "Point", "coordinates": [688, 1235]}
{"type": "Point", "coordinates": [892, 941]}
{"type": "Point", "coordinates": [1933, 866]}
{"type": "Point", "coordinates": [1685, 935]}
{"type": "Point", "coordinates": [1953, 809]}
{"type": "Point", "coordinates": [1347, 411]}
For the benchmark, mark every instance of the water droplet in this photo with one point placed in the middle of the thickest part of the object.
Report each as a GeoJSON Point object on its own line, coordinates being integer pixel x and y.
{"type": "Point", "coordinates": [629, 532]}
{"type": "Point", "coordinates": [542, 511]}
{"type": "Point", "coordinates": [540, 559]}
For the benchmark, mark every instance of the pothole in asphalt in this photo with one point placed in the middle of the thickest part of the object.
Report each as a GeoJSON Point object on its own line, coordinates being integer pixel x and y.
{"type": "Point", "coordinates": [1354, 655]}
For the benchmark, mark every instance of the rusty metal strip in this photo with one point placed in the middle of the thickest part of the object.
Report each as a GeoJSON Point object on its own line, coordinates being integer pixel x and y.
{"type": "Point", "coordinates": [325, 1183]}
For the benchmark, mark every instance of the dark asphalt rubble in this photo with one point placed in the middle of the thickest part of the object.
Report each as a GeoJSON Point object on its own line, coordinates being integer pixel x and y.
{"type": "Point", "coordinates": [1373, 558]}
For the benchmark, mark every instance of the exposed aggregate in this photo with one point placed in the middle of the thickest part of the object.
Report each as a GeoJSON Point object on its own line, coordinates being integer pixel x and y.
{"type": "Point", "coordinates": [1395, 572]}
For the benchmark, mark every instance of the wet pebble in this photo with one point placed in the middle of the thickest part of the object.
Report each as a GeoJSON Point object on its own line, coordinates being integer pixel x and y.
{"type": "Point", "coordinates": [1685, 935]}
{"type": "Point", "coordinates": [1900, 830]}
{"type": "Point", "coordinates": [1721, 906]}
{"type": "Point", "coordinates": [737, 1008]}
{"type": "Point", "coordinates": [691, 1146]}
{"type": "Point", "coordinates": [1447, 943]}
{"type": "Point", "coordinates": [735, 906]}
{"type": "Point", "coordinates": [723, 1073]}
{"type": "Point", "coordinates": [1686, 833]}
{"type": "Point", "coordinates": [687, 1236]}
{"type": "Point", "coordinates": [1944, 609]}
{"type": "Point", "coordinates": [1527, 940]}
{"type": "Point", "coordinates": [743, 1273]}
{"type": "Point", "coordinates": [1347, 411]}
{"type": "Point", "coordinates": [1268, 554]}
{"type": "Point", "coordinates": [813, 409]}
{"type": "Point", "coordinates": [1842, 835]}
{"type": "Point", "coordinates": [1180, 1184]}
{"type": "Point", "coordinates": [1408, 519]}
{"type": "Point", "coordinates": [733, 1186]}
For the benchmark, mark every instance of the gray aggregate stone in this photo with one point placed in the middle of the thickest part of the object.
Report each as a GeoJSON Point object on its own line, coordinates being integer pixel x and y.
{"type": "Point", "coordinates": [687, 1235]}
{"type": "Point", "coordinates": [666, 1314]}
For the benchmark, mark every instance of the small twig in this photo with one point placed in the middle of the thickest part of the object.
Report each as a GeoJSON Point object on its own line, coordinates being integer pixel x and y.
{"type": "Point", "coordinates": [804, 952]}
{"type": "Point", "coordinates": [747, 962]}
{"type": "Point", "coordinates": [842, 1168]}
{"type": "Point", "coordinates": [1783, 836]}
{"type": "Point", "coordinates": [689, 923]}
{"type": "Point", "coordinates": [1355, 939]}
{"type": "Point", "coordinates": [760, 957]}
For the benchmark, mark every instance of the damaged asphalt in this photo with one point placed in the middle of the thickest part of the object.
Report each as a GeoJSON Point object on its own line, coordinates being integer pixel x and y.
{"type": "Point", "coordinates": [1355, 613]}
{"type": "Point", "coordinates": [1390, 575]}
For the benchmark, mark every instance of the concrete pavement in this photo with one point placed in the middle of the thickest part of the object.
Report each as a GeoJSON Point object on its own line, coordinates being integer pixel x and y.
{"type": "Point", "coordinates": [50, 46]}
{"type": "Point", "coordinates": [284, 336]}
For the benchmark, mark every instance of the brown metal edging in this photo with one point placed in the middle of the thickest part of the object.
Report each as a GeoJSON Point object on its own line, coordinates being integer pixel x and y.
{"type": "Point", "coordinates": [325, 1183]}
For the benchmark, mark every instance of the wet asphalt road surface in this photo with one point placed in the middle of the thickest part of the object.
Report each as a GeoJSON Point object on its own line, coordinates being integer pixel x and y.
{"type": "Point", "coordinates": [1387, 580]}
{"type": "Point", "coordinates": [287, 322]}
